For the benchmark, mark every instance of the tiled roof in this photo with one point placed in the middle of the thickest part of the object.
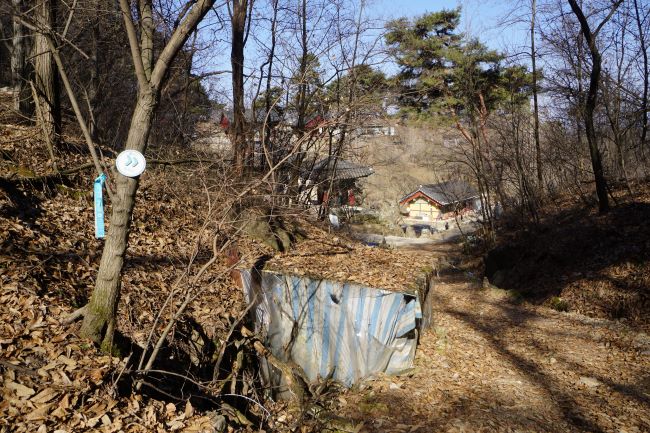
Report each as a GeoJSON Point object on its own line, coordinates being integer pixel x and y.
{"type": "Point", "coordinates": [344, 169]}
{"type": "Point", "coordinates": [446, 192]}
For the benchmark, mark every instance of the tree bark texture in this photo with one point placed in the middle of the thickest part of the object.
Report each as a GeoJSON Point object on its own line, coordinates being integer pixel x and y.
{"type": "Point", "coordinates": [99, 315]}
{"type": "Point", "coordinates": [590, 106]}
{"type": "Point", "coordinates": [146, 39]}
{"type": "Point", "coordinates": [93, 85]}
{"type": "Point", "coordinates": [18, 54]}
{"type": "Point", "coordinates": [102, 306]}
{"type": "Point", "coordinates": [45, 73]}
{"type": "Point", "coordinates": [238, 21]}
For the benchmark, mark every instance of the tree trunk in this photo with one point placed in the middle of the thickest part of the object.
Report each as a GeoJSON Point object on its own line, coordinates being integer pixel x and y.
{"type": "Point", "coordinates": [99, 320]}
{"type": "Point", "coordinates": [45, 74]}
{"type": "Point", "coordinates": [268, 144]}
{"type": "Point", "coordinates": [18, 75]}
{"type": "Point", "coordinates": [533, 57]}
{"type": "Point", "coordinates": [100, 313]}
{"type": "Point", "coordinates": [238, 20]}
{"type": "Point", "coordinates": [590, 130]}
{"type": "Point", "coordinates": [302, 87]}
{"type": "Point", "coordinates": [644, 99]}
{"type": "Point", "coordinates": [146, 39]}
{"type": "Point", "coordinates": [591, 100]}
{"type": "Point", "coordinates": [93, 85]}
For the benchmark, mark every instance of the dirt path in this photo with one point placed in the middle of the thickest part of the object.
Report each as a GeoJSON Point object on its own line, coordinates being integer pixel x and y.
{"type": "Point", "coordinates": [491, 365]}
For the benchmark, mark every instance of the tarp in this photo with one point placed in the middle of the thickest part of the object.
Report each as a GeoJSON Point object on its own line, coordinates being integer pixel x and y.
{"type": "Point", "coordinates": [334, 329]}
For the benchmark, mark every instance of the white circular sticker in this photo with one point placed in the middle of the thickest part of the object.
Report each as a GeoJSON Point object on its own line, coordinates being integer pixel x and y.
{"type": "Point", "coordinates": [130, 163]}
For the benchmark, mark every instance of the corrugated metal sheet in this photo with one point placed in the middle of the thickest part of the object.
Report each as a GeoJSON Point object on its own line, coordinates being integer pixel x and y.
{"type": "Point", "coordinates": [333, 328]}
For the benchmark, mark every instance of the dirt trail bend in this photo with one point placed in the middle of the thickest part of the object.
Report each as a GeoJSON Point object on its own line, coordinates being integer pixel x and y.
{"type": "Point", "coordinates": [491, 365]}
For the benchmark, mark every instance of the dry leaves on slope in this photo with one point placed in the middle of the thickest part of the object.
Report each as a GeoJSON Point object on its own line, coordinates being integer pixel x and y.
{"type": "Point", "coordinates": [334, 257]}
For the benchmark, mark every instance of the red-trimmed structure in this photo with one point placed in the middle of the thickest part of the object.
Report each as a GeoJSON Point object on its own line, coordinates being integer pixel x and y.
{"type": "Point", "coordinates": [437, 201]}
{"type": "Point", "coordinates": [342, 174]}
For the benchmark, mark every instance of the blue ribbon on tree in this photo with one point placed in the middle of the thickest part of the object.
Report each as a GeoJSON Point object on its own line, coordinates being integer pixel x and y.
{"type": "Point", "coordinates": [99, 206]}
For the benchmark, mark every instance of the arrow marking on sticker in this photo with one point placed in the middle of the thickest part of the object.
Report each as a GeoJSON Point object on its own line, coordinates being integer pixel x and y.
{"type": "Point", "coordinates": [131, 163]}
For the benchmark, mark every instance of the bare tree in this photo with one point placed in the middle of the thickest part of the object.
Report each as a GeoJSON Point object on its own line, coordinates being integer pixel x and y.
{"type": "Point", "coordinates": [47, 98]}
{"type": "Point", "coordinates": [533, 61]}
{"type": "Point", "coordinates": [592, 96]}
{"type": "Point", "coordinates": [238, 10]}
{"type": "Point", "coordinates": [525, 12]}
{"type": "Point", "coordinates": [99, 313]}
{"type": "Point", "coordinates": [618, 89]}
{"type": "Point", "coordinates": [268, 98]}
{"type": "Point", "coordinates": [643, 45]}
{"type": "Point", "coordinates": [304, 59]}
{"type": "Point", "coordinates": [18, 55]}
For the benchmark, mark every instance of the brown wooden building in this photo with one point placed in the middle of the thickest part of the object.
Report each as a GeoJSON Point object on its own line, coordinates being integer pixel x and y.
{"type": "Point", "coordinates": [437, 201]}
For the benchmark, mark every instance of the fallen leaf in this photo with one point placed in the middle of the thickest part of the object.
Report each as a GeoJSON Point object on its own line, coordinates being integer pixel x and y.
{"type": "Point", "coordinates": [21, 390]}
{"type": "Point", "coordinates": [189, 410]}
{"type": "Point", "coordinates": [97, 375]}
{"type": "Point", "coordinates": [45, 396]}
{"type": "Point", "coordinates": [170, 409]}
{"type": "Point", "coordinates": [40, 413]}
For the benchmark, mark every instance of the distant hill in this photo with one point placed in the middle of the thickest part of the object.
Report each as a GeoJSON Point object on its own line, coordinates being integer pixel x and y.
{"type": "Point", "coordinates": [413, 156]}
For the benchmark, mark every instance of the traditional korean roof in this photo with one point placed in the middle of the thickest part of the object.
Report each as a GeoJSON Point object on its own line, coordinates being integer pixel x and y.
{"type": "Point", "coordinates": [444, 193]}
{"type": "Point", "coordinates": [343, 169]}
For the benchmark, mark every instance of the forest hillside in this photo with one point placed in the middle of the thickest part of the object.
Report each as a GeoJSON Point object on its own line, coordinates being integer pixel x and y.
{"type": "Point", "coordinates": [304, 216]}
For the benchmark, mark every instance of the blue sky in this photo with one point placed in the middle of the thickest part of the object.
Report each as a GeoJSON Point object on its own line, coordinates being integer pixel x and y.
{"type": "Point", "coordinates": [479, 18]}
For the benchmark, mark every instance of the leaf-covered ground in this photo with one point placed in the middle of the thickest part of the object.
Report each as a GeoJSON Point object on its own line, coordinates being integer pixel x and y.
{"type": "Point", "coordinates": [489, 364]}
{"type": "Point", "coordinates": [53, 381]}
{"type": "Point", "coordinates": [581, 261]}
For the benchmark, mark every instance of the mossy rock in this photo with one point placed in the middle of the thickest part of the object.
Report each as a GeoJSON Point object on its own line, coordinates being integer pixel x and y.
{"type": "Point", "coordinates": [262, 224]}
{"type": "Point", "coordinates": [558, 304]}
{"type": "Point", "coordinates": [21, 171]}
